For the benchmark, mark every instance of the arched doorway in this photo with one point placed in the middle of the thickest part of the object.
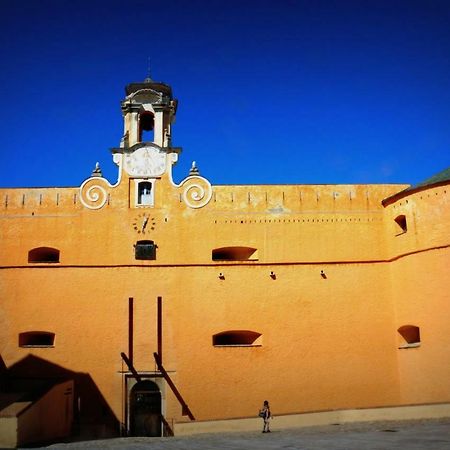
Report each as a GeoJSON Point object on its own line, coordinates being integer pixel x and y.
{"type": "Point", "coordinates": [145, 409]}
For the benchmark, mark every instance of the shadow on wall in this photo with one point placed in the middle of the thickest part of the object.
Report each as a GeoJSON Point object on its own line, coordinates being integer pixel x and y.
{"type": "Point", "coordinates": [3, 372]}
{"type": "Point", "coordinates": [93, 418]}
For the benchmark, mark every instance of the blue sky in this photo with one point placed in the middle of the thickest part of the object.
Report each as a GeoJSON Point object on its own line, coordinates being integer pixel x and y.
{"type": "Point", "coordinates": [270, 92]}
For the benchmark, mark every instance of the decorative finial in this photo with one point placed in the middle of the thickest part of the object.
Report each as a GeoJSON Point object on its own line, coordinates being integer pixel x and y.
{"type": "Point", "coordinates": [97, 172]}
{"type": "Point", "coordinates": [194, 170]}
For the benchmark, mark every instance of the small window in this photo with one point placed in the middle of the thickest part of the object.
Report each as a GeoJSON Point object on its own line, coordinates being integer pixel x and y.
{"type": "Point", "coordinates": [235, 254]}
{"type": "Point", "coordinates": [145, 194]}
{"type": "Point", "coordinates": [401, 222]}
{"type": "Point", "coordinates": [237, 338]}
{"type": "Point", "coordinates": [145, 250]}
{"type": "Point", "coordinates": [410, 335]}
{"type": "Point", "coordinates": [36, 339]}
{"type": "Point", "coordinates": [43, 255]}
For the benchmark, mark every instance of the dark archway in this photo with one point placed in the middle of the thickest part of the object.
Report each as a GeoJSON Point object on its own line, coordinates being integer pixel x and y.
{"type": "Point", "coordinates": [145, 409]}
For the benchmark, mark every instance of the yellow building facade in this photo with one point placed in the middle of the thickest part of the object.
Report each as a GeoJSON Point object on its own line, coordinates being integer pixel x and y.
{"type": "Point", "coordinates": [168, 303]}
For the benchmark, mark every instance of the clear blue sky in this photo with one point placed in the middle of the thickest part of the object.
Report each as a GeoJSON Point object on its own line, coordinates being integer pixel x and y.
{"type": "Point", "coordinates": [270, 92]}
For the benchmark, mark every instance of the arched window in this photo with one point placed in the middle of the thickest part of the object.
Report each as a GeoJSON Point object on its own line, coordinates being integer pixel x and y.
{"type": "Point", "coordinates": [145, 194]}
{"type": "Point", "coordinates": [410, 335]}
{"type": "Point", "coordinates": [237, 338]}
{"type": "Point", "coordinates": [36, 339]}
{"type": "Point", "coordinates": [146, 126]}
{"type": "Point", "coordinates": [401, 222]}
{"type": "Point", "coordinates": [235, 254]}
{"type": "Point", "coordinates": [43, 255]}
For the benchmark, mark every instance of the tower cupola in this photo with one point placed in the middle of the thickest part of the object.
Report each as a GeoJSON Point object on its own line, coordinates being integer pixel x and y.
{"type": "Point", "coordinates": [148, 111]}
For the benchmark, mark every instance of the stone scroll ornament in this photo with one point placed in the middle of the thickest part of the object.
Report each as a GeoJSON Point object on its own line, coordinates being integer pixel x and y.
{"type": "Point", "coordinates": [94, 192]}
{"type": "Point", "coordinates": [196, 191]}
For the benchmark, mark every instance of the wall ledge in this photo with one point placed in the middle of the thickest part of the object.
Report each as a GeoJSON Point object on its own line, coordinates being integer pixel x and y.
{"type": "Point", "coordinates": [410, 412]}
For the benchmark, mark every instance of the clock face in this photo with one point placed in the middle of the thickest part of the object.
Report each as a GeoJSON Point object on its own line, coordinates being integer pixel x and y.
{"type": "Point", "coordinates": [143, 223]}
{"type": "Point", "coordinates": [145, 162]}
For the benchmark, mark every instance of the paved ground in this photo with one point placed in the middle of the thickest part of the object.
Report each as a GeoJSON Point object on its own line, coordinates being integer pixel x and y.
{"type": "Point", "coordinates": [407, 435]}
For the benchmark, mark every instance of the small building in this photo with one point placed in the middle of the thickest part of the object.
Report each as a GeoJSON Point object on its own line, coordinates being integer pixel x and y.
{"type": "Point", "coordinates": [171, 303]}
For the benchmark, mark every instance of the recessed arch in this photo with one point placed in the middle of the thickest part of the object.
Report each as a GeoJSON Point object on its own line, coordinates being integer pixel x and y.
{"type": "Point", "coordinates": [145, 409]}
{"type": "Point", "coordinates": [235, 253]}
{"type": "Point", "coordinates": [238, 338]}
{"type": "Point", "coordinates": [43, 255]}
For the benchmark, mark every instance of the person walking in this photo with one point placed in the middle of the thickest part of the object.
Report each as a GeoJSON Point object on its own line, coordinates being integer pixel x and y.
{"type": "Point", "coordinates": [266, 415]}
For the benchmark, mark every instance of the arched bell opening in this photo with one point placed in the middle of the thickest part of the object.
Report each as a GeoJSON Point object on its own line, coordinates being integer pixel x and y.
{"type": "Point", "coordinates": [146, 126]}
{"type": "Point", "coordinates": [145, 409]}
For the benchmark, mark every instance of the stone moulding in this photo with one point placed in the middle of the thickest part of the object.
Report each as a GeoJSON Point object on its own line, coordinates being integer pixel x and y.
{"type": "Point", "coordinates": [196, 191]}
{"type": "Point", "coordinates": [94, 192]}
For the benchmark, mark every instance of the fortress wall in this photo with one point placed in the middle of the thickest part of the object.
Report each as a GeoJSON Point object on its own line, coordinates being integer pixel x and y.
{"type": "Point", "coordinates": [292, 198]}
{"type": "Point", "coordinates": [29, 200]}
{"type": "Point", "coordinates": [326, 343]}
{"type": "Point", "coordinates": [284, 223]}
{"type": "Point", "coordinates": [421, 298]}
{"type": "Point", "coordinates": [420, 291]}
{"type": "Point", "coordinates": [330, 341]}
{"type": "Point", "coordinates": [427, 216]}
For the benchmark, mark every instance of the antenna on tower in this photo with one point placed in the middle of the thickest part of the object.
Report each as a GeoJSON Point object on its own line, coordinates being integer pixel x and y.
{"type": "Point", "coordinates": [149, 78]}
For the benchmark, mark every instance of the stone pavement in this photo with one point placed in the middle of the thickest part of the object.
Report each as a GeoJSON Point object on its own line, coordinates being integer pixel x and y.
{"type": "Point", "coordinates": [404, 435]}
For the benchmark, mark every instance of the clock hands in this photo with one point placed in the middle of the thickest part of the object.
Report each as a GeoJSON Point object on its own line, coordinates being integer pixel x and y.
{"type": "Point", "coordinates": [144, 223]}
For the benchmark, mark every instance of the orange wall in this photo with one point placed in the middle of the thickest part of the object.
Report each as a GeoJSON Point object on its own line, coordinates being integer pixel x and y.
{"type": "Point", "coordinates": [420, 292]}
{"type": "Point", "coordinates": [327, 343]}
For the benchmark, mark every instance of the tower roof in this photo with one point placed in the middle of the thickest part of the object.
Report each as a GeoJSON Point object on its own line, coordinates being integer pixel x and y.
{"type": "Point", "coordinates": [148, 83]}
{"type": "Point", "coordinates": [438, 179]}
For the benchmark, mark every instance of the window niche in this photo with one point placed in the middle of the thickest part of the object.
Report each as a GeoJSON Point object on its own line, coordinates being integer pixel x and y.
{"type": "Point", "coordinates": [43, 255]}
{"type": "Point", "coordinates": [144, 192]}
{"type": "Point", "coordinates": [237, 338]}
{"type": "Point", "coordinates": [36, 339]}
{"type": "Point", "coordinates": [402, 226]}
{"type": "Point", "coordinates": [410, 335]}
{"type": "Point", "coordinates": [235, 254]}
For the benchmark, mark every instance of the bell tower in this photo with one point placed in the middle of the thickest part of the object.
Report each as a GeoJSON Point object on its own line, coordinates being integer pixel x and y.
{"type": "Point", "coordinates": [148, 107]}
{"type": "Point", "coordinates": [146, 154]}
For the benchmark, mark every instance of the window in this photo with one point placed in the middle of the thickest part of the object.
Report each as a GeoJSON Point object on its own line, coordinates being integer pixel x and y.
{"type": "Point", "coordinates": [410, 335]}
{"type": "Point", "coordinates": [36, 339]}
{"type": "Point", "coordinates": [145, 194]}
{"type": "Point", "coordinates": [237, 338]}
{"type": "Point", "coordinates": [146, 125]}
{"type": "Point", "coordinates": [145, 250]}
{"type": "Point", "coordinates": [401, 222]}
{"type": "Point", "coordinates": [43, 255]}
{"type": "Point", "coordinates": [235, 254]}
